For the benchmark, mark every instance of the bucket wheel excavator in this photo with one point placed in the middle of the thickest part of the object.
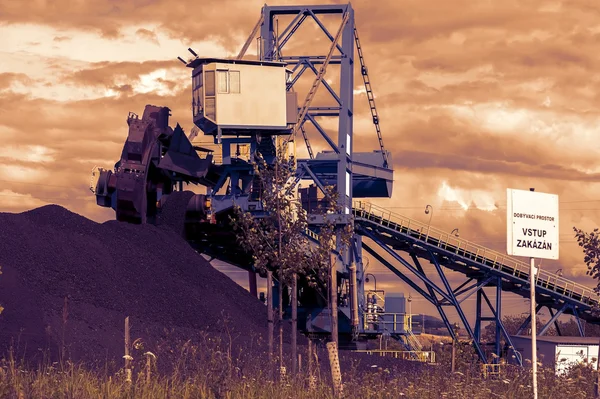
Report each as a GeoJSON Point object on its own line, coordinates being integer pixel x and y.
{"type": "Point", "coordinates": [155, 158]}
{"type": "Point", "coordinates": [156, 161]}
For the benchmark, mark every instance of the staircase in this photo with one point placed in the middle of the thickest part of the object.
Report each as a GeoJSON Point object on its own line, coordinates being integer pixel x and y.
{"type": "Point", "coordinates": [413, 341]}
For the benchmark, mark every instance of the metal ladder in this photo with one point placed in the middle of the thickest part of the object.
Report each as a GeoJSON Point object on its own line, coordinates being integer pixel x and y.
{"type": "Point", "coordinates": [308, 147]}
{"type": "Point", "coordinates": [370, 97]}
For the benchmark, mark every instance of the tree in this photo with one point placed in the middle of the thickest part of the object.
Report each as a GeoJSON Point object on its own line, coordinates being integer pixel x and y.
{"type": "Point", "coordinates": [590, 243]}
{"type": "Point", "coordinates": [278, 241]}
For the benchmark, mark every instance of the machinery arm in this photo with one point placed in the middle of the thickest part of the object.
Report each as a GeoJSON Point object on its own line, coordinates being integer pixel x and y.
{"type": "Point", "coordinates": [154, 158]}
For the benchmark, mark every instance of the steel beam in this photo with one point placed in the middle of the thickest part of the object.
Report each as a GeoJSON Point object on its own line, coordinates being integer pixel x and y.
{"type": "Point", "coordinates": [438, 304]}
{"type": "Point", "coordinates": [528, 320]}
{"type": "Point", "coordinates": [398, 273]}
{"type": "Point", "coordinates": [415, 271]}
{"type": "Point", "coordinates": [553, 319]}
{"type": "Point", "coordinates": [324, 83]}
{"type": "Point", "coordinates": [558, 332]}
{"type": "Point", "coordinates": [459, 310]}
{"type": "Point", "coordinates": [478, 318]}
{"type": "Point", "coordinates": [578, 321]}
{"type": "Point", "coordinates": [331, 143]}
{"type": "Point", "coordinates": [499, 324]}
{"type": "Point", "coordinates": [475, 288]}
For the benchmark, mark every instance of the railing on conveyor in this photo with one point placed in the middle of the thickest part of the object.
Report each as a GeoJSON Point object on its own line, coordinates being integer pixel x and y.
{"type": "Point", "coordinates": [423, 356]}
{"type": "Point", "coordinates": [493, 259]}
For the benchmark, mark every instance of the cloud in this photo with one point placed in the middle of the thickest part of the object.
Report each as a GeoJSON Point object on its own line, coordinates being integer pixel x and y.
{"type": "Point", "coordinates": [16, 202]}
{"type": "Point", "coordinates": [147, 35]}
{"type": "Point", "coordinates": [59, 39]}
{"type": "Point", "coordinates": [27, 153]}
{"type": "Point", "coordinates": [7, 79]}
{"type": "Point", "coordinates": [108, 18]}
{"type": "Point", "coordinates": [105, 73]}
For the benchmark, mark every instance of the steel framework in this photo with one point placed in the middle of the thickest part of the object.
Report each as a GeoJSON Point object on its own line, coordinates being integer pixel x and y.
{"type": "Point", "coordinates": [341, 168]}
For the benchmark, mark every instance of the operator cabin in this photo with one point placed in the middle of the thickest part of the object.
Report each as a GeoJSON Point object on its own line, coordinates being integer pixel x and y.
{"type": "Point", "coordinates": [242, 97]}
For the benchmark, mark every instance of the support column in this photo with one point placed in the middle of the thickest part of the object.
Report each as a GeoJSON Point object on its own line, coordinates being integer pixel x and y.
{"type": "Point", "coordinates": [498, 318]}
{"type": "Point", "coordinates": [477, 331]}
{"type": "Point", "coordinates": [252, 283]}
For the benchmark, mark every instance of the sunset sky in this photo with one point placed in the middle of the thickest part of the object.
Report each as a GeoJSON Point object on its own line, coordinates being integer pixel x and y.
{"type": "Point", "coordinates": [474, 98]}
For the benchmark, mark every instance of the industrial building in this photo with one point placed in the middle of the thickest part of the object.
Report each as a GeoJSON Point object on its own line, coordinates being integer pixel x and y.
{"type": "Point", "coordinates": [560, 352]}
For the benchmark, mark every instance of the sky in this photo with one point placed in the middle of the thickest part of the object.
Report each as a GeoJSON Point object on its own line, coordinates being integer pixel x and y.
{"type": "Point", "coordinates": [473, 97]}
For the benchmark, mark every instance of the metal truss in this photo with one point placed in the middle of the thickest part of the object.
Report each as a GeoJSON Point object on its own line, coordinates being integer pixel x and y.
{"type": "Point", "coordinates": [341, 52]}
{"type": "Point", "coordinates": [566, 307]}
{"type": "Point", "coordinates": [273, 45]}
{"type": "Point", "coordinates": [443, 295]}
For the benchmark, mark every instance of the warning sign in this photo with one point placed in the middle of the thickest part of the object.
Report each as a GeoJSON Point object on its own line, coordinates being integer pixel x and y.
{"type": "Point", "coordinates": [532, 224]}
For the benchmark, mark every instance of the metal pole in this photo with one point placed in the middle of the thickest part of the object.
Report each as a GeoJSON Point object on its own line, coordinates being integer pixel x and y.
{"type": "Point", "coordinates": [454, 342]}
{"type": "Point", "coordinates": [597, 382]}
{"type": "Point", "coordinates": [453, 355]}
{"type": "Point", "coordinates": [353, 297]}
{"type": "Point", "coordinates": [294, 321]}
{"type": "Point", "coordinates": [333, 300]}
{"type": "Point", "coordinates": [409, 312]}
{"type": "Point", "coordinates": [533, 326]}
{"type": "Point", "coordinates": [270, 319]}
{"type": "Point", "coordinates": [533, 323]}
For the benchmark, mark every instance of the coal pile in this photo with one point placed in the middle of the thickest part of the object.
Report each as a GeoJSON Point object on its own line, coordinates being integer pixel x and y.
{"type": "Point", "coordinates": [104, 272]}
{"type": "Point", "coordinates": [68, 282]}
{"type": "Point", "coordinates": [172, 213]}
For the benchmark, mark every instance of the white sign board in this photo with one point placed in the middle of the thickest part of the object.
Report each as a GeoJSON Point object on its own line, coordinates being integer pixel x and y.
{"type": "Point", "coordinates": [532, 224]}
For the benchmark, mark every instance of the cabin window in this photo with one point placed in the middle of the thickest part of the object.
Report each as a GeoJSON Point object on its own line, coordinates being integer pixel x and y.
{"type": "Point", "coordinates": [197, 94]}
{"type": "Point", "coordinates": [222, 81]}
{"type": "Point", "coordinates": [234, 81]}
{"type": "Point", "coordinates": [209, 110]}
{"type": "Point", "coordinates": [197, 81]}
{"type": "Point", "coordinates": [210, 83]}
{"type": "Point", "coordinates": [228, 82]}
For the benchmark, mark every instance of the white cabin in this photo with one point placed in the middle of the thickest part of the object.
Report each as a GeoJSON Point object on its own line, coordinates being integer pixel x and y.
{"type": "Point", "coordinates": [240, 96]}
{"type": "Point", "coordinates": [559, 352]}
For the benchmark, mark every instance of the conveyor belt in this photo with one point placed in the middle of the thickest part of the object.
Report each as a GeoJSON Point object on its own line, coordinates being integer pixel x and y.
{"type": "Point", "coordinates": [465, 256]}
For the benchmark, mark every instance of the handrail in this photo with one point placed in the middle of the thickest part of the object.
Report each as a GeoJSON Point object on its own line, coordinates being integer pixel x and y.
{"type": "Point", "coordinates": [404, 354]}
{"type": "Point", "coordinates": [471, 250]}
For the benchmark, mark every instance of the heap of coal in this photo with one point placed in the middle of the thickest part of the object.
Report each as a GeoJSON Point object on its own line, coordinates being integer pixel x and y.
{"type": "Point", "coordinates": [68, 280]}
{"type": "Point", "coordinates": [103, 272]}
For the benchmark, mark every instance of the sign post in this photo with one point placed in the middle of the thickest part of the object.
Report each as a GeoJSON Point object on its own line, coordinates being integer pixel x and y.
{"type": "Point", "coordinates": [532, 231]}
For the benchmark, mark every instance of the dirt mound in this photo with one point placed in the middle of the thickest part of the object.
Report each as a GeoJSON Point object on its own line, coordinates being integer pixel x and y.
{"type": "Point", "coordinates": [106, 272]}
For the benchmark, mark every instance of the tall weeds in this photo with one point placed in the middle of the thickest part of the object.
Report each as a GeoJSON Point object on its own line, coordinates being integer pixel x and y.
{"type": "Point", "coordinates": [214, 368]}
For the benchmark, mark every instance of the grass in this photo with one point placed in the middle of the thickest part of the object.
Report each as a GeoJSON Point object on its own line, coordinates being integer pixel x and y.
{"type": "Point", "coordinates": [213, 369]}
